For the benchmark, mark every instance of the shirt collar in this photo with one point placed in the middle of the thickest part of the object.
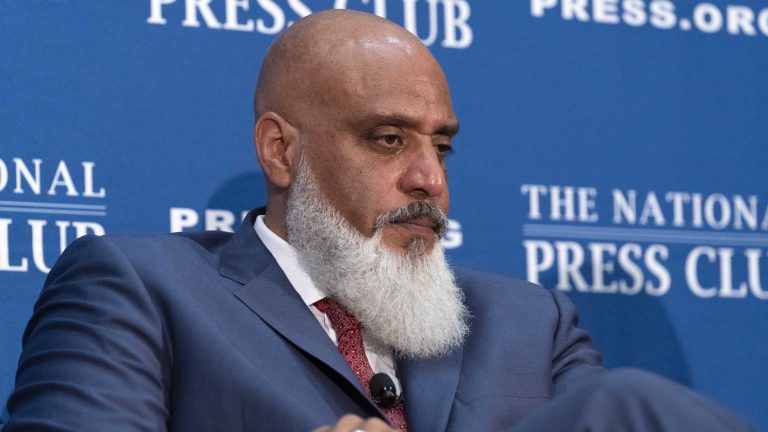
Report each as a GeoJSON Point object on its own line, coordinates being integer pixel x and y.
{"type": "Point", "coordinates": [287, 259]}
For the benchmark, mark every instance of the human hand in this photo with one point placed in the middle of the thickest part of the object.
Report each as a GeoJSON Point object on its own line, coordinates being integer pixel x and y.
{"type": "Point", "coordinates": [353, 423]}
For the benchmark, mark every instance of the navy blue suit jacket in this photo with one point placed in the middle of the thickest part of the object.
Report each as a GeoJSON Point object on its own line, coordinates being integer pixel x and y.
{"type": "Point", "coordinates": [203, 332]}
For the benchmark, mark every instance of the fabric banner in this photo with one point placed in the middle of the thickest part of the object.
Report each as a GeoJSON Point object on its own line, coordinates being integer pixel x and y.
{"type": "Point", "coordinates": [611, 149]}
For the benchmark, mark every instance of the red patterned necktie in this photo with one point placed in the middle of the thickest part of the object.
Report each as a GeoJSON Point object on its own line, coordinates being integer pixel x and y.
{"type": "Point", "coordinates": [350, 342]}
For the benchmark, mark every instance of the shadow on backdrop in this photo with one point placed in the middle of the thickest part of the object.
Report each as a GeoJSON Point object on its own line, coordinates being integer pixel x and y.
{"type": "Point", "coordinates": [631, 331]}
{"type": "Point", "coordinates": [243, 191]}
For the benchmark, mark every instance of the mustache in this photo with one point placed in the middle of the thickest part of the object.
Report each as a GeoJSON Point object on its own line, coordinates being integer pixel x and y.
{"type": "Point", "coordinates": [416, 210]}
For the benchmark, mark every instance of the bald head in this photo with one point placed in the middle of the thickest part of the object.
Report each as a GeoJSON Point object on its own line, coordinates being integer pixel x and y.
{"type": "Point", "coordinates": [306, 66]}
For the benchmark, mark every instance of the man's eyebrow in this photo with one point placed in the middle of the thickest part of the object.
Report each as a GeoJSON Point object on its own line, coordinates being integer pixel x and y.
{"type": "Point", "coordinates": [450, 128]}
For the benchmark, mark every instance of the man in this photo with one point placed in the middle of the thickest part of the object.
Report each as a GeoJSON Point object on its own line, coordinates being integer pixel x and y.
{"type": "Point", "coordinates": [282, 325]}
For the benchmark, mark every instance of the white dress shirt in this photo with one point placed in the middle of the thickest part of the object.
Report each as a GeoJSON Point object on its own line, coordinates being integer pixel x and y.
{"type": "Point", "coordinates": [286, 258]}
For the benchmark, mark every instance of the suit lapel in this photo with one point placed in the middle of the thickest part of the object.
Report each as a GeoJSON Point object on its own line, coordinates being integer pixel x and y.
{"type": "Point", "coordinates": [429, 389]}
{"type": "Point", "coordinates": [284, 311]}
{"type": "Point", "coordinates": [267, 292]}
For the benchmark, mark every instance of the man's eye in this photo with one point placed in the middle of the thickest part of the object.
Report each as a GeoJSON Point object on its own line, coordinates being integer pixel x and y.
{"type": "Point", "coordinates": [390, 140]}
{"type": "Point", "coordinates": [444, 149]}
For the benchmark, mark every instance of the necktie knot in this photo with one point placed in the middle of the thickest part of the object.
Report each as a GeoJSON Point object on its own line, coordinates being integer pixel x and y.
{"type": "Point", "coordinates": [341, 320]}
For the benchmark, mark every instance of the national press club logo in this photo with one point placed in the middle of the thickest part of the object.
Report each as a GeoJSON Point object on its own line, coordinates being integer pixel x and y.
{"type": "Point", "coordinates": [442, 22]}
{"type": "Point", "coordinates": [629, 241]}
{"type": "Point", "coordinates": [45, 204]}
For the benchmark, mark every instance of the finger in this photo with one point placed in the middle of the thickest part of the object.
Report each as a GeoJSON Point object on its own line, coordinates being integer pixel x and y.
{"type": "Point", "coordinates": [348, 423]}
{"type": "Point", "coordinates": [375, 424]}
{"type": "Point", "coordinates": [325, 428]}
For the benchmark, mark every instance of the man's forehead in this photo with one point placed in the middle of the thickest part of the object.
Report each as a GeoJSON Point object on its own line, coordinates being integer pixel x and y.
{"type": "Point", "coordinates": [416, 97]}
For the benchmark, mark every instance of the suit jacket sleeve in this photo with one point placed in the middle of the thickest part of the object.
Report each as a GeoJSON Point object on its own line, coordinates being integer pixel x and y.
{"type": "Point", "coordinates": [94, 350]}
{"type": "Point", "coordinates": [574, 360]}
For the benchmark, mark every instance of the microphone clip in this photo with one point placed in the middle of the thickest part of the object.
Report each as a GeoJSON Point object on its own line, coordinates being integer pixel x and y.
{"type": "Point", "coordinates": [384, 392]}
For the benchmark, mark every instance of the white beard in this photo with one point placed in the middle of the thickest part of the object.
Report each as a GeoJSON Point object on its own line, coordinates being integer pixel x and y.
{"type": "Point", "coordinates": [406, 303]}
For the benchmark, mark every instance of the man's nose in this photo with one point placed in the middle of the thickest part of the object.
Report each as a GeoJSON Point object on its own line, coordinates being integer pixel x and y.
{"type": "Point", "coordinates": [424, 176]}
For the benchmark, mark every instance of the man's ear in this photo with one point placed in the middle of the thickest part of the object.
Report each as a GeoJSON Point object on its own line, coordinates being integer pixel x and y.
{"type": "Point", "coordinates": [276, 143]}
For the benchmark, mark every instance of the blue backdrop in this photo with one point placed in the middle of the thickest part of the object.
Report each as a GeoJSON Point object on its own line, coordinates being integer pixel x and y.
{"type": "Point", "coordinates": [611, 149]}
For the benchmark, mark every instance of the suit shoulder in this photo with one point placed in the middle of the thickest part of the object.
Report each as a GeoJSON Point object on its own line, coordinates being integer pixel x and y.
{"type": "Point", "coordinates": [478, 282]}
{"type": "Point", "coordinates": [496, 296]}
{"type": "Point", "coordinates": [209, 241]}
{"type": "Point", "coordinates": [145, 251]}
